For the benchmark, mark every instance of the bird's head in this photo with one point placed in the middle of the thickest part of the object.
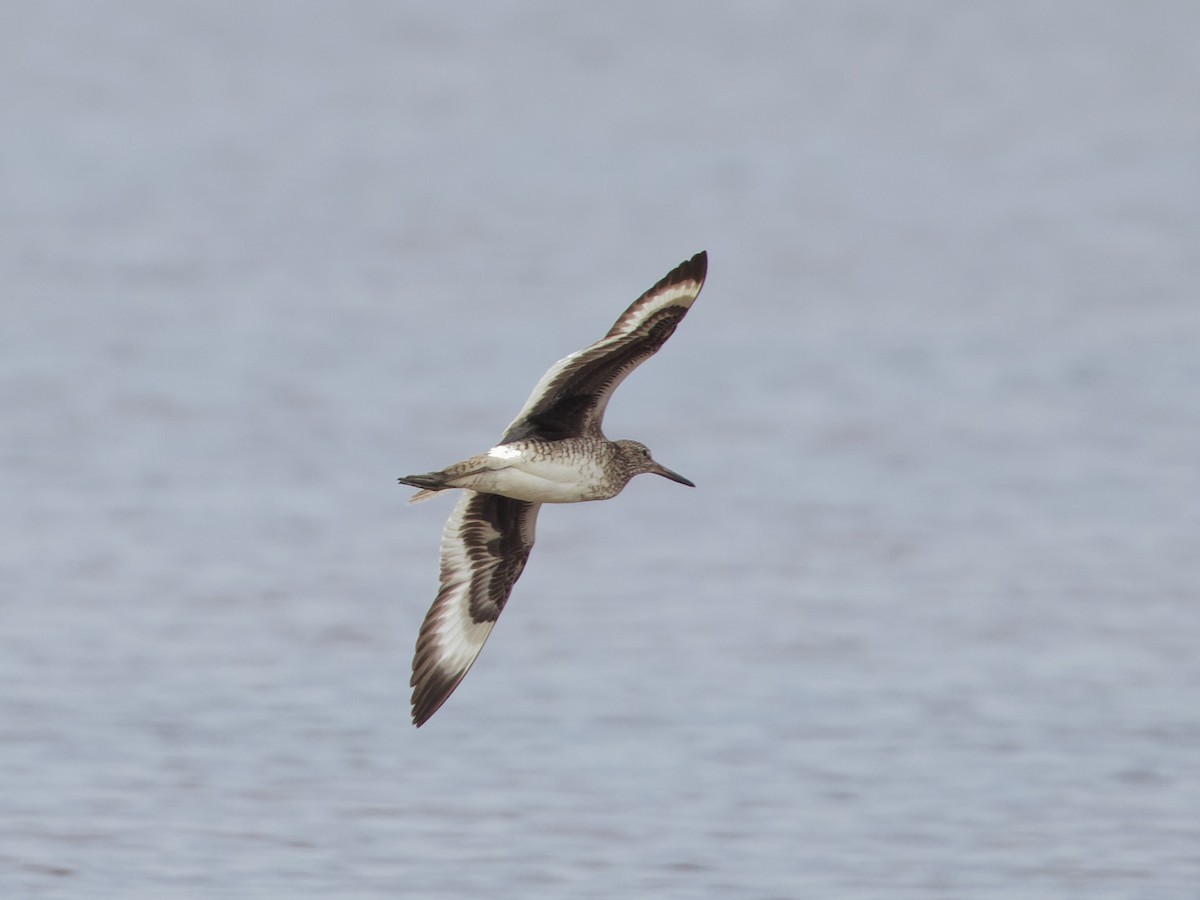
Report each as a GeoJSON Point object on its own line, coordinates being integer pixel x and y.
{"type": "Point", "coordinates": [638, 460]}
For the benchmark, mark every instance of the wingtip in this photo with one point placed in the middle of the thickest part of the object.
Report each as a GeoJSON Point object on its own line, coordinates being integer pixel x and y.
{"type": "Point", "coordinates": [694, 269]}
{"type": "Point", "coordinates": [425, 703]}
{"type": "Point", "coordinates": [431, 689]}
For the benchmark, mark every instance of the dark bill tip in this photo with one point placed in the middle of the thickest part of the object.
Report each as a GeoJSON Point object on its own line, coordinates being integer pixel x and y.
{"type": "Point", "coordinates": [674, 476]}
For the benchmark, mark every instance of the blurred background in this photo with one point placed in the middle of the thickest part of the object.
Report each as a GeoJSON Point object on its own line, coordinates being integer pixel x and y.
{"type": "Point", "coordinates": [928, 625]}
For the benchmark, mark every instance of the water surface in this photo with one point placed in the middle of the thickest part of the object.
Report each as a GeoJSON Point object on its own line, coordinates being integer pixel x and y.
{"type": "Point", "coordinates": [928, 625]}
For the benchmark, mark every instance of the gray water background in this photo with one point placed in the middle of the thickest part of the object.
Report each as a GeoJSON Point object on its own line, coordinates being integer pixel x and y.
{"type": "Point", "coordinates": [929, 625]}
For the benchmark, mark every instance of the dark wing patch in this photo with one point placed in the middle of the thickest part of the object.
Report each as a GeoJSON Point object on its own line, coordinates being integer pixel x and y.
{"type": "Point", "coordinates": [485, 545]}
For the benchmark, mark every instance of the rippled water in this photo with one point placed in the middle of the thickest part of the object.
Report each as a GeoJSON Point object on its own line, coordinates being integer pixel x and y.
{"type": "Point", "coordinates": [928, 625]}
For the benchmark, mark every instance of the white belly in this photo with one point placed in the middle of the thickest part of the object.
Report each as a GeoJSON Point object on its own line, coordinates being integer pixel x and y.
{"type": "Point", "coordinates": [540, 482]}
{"type": "Point", "coordinates": [526, 474]}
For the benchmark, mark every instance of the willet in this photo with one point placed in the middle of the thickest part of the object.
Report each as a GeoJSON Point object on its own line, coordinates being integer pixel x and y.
{"type": "Point", "coordinates": [553, 452]}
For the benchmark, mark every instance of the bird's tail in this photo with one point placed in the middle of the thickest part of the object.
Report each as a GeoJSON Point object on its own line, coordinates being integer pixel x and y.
{"type": "Point", "coordinates": [429, 485]}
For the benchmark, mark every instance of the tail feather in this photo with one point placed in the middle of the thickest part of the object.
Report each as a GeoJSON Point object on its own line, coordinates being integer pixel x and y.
{"type": "Point", "coordinates": [429, 485]}
{"type": "Point", "coordinates": [433, 481]}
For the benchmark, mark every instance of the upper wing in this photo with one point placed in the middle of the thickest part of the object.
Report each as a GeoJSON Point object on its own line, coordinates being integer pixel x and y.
{"type": "Point", "coordinates": [571, 398]}
{"type": "Point", "coordinates": [484, 547]}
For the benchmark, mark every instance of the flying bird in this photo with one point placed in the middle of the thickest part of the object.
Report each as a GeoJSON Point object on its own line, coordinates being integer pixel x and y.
{"type": "Point", "coordinates": [553, 452]}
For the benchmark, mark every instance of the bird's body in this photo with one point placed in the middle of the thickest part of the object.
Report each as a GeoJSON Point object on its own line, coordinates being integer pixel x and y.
{"type": "Point", "coordinates": [570, 470]}
{"type": "Point", "coordinates": [553, 452]}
